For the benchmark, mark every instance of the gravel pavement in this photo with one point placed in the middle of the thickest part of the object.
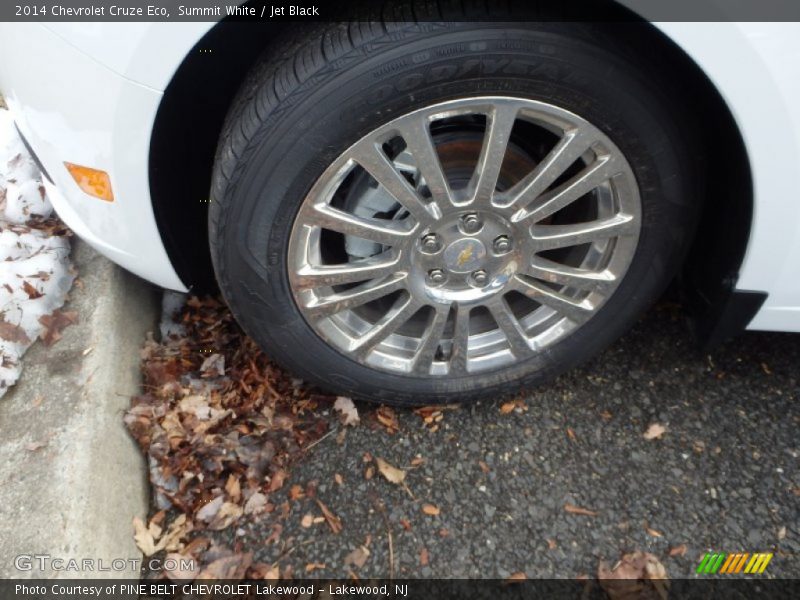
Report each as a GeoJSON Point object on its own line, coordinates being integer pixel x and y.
{"type": "Point", "coordinates": [723, 477]}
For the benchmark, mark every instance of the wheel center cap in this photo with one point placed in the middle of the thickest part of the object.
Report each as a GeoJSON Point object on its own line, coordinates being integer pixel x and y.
{"type": "Point", "coordinates": [464, 255]}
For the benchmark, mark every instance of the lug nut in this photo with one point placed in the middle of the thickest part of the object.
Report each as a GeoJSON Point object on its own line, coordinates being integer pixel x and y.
{"type": "Point", "coordinates": [470, 223]}
{"type": "Point", "coordinates": [437, 276]}
{"type": "Point", "coordinates": [502, 244]}
{"type": "Point", "coordinates": [480, 277]}
{"type": "Point", "coordinates": [430, 243]}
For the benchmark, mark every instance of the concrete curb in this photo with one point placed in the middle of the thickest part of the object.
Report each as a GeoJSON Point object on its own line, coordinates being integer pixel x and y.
{"type": "Point", "coordinates": [75, 496]}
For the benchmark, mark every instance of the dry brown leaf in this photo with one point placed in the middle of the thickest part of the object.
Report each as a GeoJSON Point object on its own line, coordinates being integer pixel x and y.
{"type": "Point", "coordinates": [264, 571]}
{"type": "Point", "coordinates": [392, 474]}
{"type": "Point", "coordinates": [186, 567]}
{"type": "Point", "coordinates": [213, 366]}
{"type": "Point", "coordinates": [357, 557]}
{"type": "Point", "coordinates": [176, 532]}
{"type": "Point", "coordinates": [153, 526]}
{"type": "Point", "coordinates": [228, 567]}
{"type": "Point", "coordinates": [654, 569]}
{"type": "Point", "coordinates": [652, 532]}
{"type": "Point", "coordinates": [143, 538]}
{"type": "Point", "coordinates": [277, 480]}
{"type": "Point", "coordinates": [310, 567]}
{"type": "Point", "coordinates": [484, 467]}
{"type": "Point", "coordinates": [571, 434]}
{"type": "Point", "coordinates": [277, 530]}
{"type": "Point", "coordinates": [637, 575]}
{"type": "Point", "coordinates": [233, 487]}
{"type": "Point", "coordinates": [228, 513]}
{"type": "Point", "coordinates": [655, 431]}
{"type": "Point", "coordinates": [255, 504]}
{"type": "Point", "coordinates": [424, 557]}
{"type": "Point", "coordinates": [13, 333]}
{"type": "Point", "coordinates": [296, 492]}
{"type": "Point", "coordinates": [32, 292]}
{"type": "Point", "coordinates": [334, 522]}
{"type": "Point", "coordinates": [347, 410]}
{"type": "Point", "coordinates": [510, 406]}
{"type": "Point", "coordinates": [551, 544]}
{"type": "Point", "coordinates": [577, 510]}
{"type": "Point", "coordinates": [338, 479]}
{"type": "Point", "coordinates": [432, 416]}
{"type": "Point", "coordinates": [678, 550]}
{"type": "Point", "coordinates": [388, 418]}
{"type": "Point", "coordinates": [210, 509]}
{"type": "Point", "coordinates": [518, 576]}
{"type": "Point", "coordinates": [195, 405]}
{"type": "Point", "coordinates": [430, 509]}
{"type": "Point", "coordinates": [55, 323]}
{"type": "Point", "coordinates": [507, 407]}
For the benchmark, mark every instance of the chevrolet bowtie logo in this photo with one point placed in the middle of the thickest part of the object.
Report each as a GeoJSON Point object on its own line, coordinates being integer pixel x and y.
{"type": "Point", "coordinates": [465, 255]}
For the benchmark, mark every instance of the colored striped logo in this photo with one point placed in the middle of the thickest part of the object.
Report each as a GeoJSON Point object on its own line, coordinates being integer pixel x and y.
{"type": "Point", "coordinates": [743, 562]}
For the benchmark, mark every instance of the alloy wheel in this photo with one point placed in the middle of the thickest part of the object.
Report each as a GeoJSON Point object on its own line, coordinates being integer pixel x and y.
{"type": "Point", "coordinates": [464, 236]}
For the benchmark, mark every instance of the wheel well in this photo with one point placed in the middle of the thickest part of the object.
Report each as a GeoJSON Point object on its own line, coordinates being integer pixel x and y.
{"type": "Point", "coordinates": [184, 140]}
{"type": "Point", "coordinates": [195, 103]}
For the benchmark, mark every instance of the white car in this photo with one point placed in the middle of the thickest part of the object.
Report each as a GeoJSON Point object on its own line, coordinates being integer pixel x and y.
{"type": "Point", "coordinates": [420, 212]}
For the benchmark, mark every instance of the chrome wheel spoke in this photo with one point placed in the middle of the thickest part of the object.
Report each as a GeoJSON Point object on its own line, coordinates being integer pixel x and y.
{"type": "Point", "coordinates": [354, 272]}
{"type": "Point", "coordinates": [388, 324]}
{"type": "Point", "coordinates": [569, 148]}
{"type": "Point", "coordinates": [498, 132]}
{"type": "Point", "coordinates": [460, 344]}
{"type": "Point", "coordinates": [431, 339]}
{"type": "Point", "coordinates": [418, 138]}
{"type": "Point", "coordinates": [573, 277]}
{"type": "Point", "coordinates": [584, 182]}
{"type": "Point", "coordinates": [509, 325]}
{"type": "Point", "coordinates": [577, 311]}
{"type": "Point", "coordinates": [377, 164]}
{"type": "Point", "coordinates": [381, 231]}
{"type": "Point", "coordinates": [552, 237]}
{"type": "Point", "coordinates": [332, 304]}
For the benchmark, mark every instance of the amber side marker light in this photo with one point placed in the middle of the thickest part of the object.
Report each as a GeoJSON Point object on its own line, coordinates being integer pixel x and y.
{"type": "Point", "coordinates": [92, 181]}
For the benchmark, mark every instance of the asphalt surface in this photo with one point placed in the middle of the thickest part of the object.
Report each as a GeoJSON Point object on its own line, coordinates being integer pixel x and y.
{"type": "Point", "coordinates": [724, 476]}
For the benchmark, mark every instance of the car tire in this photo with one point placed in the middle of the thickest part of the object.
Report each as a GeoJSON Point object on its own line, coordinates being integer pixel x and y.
{"type": "Point", "coordinates": [302, 111]}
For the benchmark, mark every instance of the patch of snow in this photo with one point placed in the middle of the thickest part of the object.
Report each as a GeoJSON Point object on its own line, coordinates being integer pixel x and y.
{"type": "Point", "coordinates": [35, 271]}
